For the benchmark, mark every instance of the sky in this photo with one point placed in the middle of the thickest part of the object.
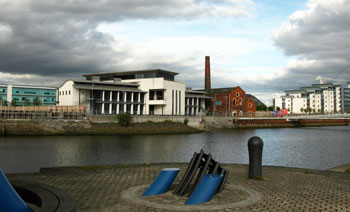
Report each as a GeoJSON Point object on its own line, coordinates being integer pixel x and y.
{"type": "Point", "coordinates": [263, 46]}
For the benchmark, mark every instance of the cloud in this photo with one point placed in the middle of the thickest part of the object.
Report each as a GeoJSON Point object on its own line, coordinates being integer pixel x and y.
{"type": "Point", "coordinates": [318, 40]}
{"type": "Point", "coordinates": [60, 38]}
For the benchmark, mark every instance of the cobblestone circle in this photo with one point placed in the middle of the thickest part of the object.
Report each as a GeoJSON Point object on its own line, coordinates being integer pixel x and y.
{"type": "Point", "coordinates": [240, 197]}
{"type": "Point", "coordinates": [282, 189]}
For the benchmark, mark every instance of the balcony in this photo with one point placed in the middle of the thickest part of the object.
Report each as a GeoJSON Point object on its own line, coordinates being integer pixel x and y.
{"type": "Point", "coordinates": [156, 102]}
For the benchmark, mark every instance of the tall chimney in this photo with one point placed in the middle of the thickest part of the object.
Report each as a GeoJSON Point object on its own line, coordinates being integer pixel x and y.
{"type": "Point", "coordinates": [207, 84]}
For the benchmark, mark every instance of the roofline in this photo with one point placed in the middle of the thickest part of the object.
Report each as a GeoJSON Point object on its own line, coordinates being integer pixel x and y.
{"type": "Point", "coordinates": [101, 82]}
{"type": "Point", "coordinates": [30, 86]}
{"type": "Point", "coordinates": [123, 73]}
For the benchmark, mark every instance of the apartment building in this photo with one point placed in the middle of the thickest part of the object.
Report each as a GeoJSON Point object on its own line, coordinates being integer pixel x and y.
{"type": "Point", "coordinates": [328, 98]}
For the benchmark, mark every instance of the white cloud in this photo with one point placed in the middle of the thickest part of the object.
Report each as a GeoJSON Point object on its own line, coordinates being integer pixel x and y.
{"type": "Point", "coordinates": [318, 40]}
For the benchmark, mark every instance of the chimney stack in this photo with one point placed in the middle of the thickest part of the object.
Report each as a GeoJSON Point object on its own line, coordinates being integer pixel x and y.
{"type": "Point", "coordinates": [207, 84]}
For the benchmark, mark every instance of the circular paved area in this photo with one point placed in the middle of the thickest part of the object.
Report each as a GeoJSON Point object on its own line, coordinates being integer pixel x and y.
{"type": "Point", "coordinates": [115, 188]}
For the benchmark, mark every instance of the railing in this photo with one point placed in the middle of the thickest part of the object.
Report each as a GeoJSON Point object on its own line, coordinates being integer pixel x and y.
{"type": "Point", "coordinates": [42, 112]}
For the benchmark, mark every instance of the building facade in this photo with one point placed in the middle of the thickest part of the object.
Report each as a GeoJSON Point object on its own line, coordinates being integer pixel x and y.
{"type": "Point", "coordinates": [27, 95]}
{"type": "Point", "coordinates": [327, 98]}
{"type": "Point", "coordinates": [231, 102]}
{"type": "Point", "coordinates": [145, 92]}
{"type": "Point", "coordinates": [195, 102]}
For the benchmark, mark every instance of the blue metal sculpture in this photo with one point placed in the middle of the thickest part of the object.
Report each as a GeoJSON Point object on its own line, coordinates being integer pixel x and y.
{"type": "Point", "coordinates": [10, 201]}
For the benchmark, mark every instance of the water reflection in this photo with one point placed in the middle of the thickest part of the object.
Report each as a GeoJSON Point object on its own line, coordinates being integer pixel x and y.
{"type": "Point", "coordinates": [317, 148]}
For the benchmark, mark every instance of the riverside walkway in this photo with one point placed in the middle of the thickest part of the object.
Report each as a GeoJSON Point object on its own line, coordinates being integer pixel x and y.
{"type": "Point", "coordinates": [119, 188]}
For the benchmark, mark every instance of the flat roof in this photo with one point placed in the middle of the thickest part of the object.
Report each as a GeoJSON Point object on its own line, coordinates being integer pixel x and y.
{"type": "Point", "coordinates": [107, 88]}
{"type": "Point", "coordinates": [28, 86]}
{"type": "Point", "coordinates": [130, 84]}
{"type": "Point", "coordinates": [125, 73]}
{"type": "Point", "coordinates": [295, 91]}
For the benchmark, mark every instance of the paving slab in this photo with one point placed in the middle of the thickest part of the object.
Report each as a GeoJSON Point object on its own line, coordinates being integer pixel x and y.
{"type": "Point", "coordinates": [119, 188]}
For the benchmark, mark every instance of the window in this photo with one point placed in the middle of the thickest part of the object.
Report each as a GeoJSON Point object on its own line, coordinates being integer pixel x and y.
{"type": "Point", "coordinates": [66, 92]}
{"type": "Point", "coordinates": [250, 105]}
{"type": "Point", "coordinates": [234, 102]}
{"type": "Point", "coordinates": [240, 101]}
{"type": "Point", "coordinates": [237, 94]}
{"type": "Point", "coordinates": [69, 92]}
{"type": "Point", "coordinates": [160, 95]}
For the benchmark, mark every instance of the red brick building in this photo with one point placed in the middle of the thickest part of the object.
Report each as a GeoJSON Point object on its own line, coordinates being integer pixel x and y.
{"type": "Point", "coordinates": [231, 102]}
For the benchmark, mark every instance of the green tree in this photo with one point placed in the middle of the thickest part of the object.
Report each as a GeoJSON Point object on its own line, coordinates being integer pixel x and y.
{"type": "Point", "coordinates": [278, 108]}
{"type": "Point", "coordinates": [270, 108]}
{"type": "Point", "coordinates": [124, 119]}
{"type": "Point", "coordinates": [14, 102]}
{"type": "Point", "coordinates": [261, 108]}
{"type": "Point", "coordinates": [26, 102]}
{"type": "Point", "coordinates": [302, 110]}
{"type": "Point", "coordinates": [36, 101]}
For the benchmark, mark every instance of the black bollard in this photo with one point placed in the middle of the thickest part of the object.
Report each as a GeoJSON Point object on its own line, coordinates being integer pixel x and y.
{"type": "Point", "coordinates": [255, 147]}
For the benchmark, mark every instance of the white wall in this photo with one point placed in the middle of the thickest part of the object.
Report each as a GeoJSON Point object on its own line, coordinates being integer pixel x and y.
{"type": "Point", "coordinates": [162, 106]}
{"type": "Point", "coordinates": [328, 101]}
{"type": "Point", "coordinates": [338, 101]}
{"type": "Point", "coordinates": [278, 102]}
{"type": "Point", "coordinates": [63, 94]}
{"type": "Point", "coordinates": [315, 102]}
{"type": "Point", "coordinates": [9, 93]}
{"type": "Point", "coordinates": [299, 103]}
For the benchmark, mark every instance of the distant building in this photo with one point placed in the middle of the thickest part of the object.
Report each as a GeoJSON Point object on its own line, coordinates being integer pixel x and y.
{"type": "Point", "coordinates": [144, 92]}
{"type": "Point", "coordinates": [231, 101]}
{"type": "Point", "coordinates": [195, 102]}
{"type": "Point", "coordinates": [26, 94]}
{"type": "Point", "coordinates": [326, 98]}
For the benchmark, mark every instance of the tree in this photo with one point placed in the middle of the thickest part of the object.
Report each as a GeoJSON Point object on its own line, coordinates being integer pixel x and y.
{"type": "Point", "coordinates": [308, 110]}
{"type": "Point", "coordinates": [26, 102]}
{"type": "Point", "coordinates": [14, 102]}
{"type": "Point", "coordinates": [278, 108]}
{"type": "Point", "coordinates": [302, 110]}
{"type": "Point", "coordinates": [261, 108]}
{"type": "Point", "coordinates": [124, 119]}
{"type": "Point", "coordinates": [270, 108]}
{"type": "Point", "coordinates": [36, 101]}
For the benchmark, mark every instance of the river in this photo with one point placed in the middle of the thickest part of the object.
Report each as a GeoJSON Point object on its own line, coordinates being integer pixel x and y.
{"type": "Point", "coordinates": [315, 148]}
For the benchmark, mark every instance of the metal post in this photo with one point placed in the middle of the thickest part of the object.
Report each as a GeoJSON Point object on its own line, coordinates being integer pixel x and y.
{"type": "Point", "coordinates": [255, 147]}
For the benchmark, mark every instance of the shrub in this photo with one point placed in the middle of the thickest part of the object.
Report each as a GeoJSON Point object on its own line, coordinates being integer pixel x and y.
{"type": "Point", "coordinates": [347, 171]}
{"type": "Point", "coordinates": [185, 121]}
{"type": "Point", "coordinates": [124, 119]}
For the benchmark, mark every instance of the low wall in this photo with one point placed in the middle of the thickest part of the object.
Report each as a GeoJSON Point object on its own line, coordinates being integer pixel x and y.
{"type": "Point", "coordinates": [216, 122]}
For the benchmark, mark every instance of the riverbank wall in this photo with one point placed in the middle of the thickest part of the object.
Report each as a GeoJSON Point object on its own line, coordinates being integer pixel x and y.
{"type": "Point", "coordinates": [86, 127]}
{"type": "Point", "coordinates": [108, 125]}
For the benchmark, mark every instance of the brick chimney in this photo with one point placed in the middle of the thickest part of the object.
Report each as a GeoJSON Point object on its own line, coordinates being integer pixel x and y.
{"type": "Point", "coordinates": [207, 84]}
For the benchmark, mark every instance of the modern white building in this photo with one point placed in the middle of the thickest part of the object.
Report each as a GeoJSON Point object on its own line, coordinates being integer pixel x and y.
{"type": "Point", "coordinates": [145, 92]}
{"type": "Point", "coordinates": [326, 98]}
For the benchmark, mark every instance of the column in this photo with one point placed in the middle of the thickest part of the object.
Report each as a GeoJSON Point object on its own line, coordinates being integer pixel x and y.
{"type": "Point", "coordinates": [132, 103]}
{"type": "Point", "coordinates": [138, 105]}
{"type": "Point", "coordinates": [110, 102]}
{"type": "Point", "coordinates": [125, 101]}
{"type": "Point", "coordinates": [198, 106]}
{"type": "Point", "coordinates": [117, 109]}
{"type": "Point", "coordinates": [103, 102]}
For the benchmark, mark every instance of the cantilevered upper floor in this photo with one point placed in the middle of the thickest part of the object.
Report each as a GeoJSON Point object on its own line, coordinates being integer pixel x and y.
{"type": "Point", "coordinates": [140, 74]}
